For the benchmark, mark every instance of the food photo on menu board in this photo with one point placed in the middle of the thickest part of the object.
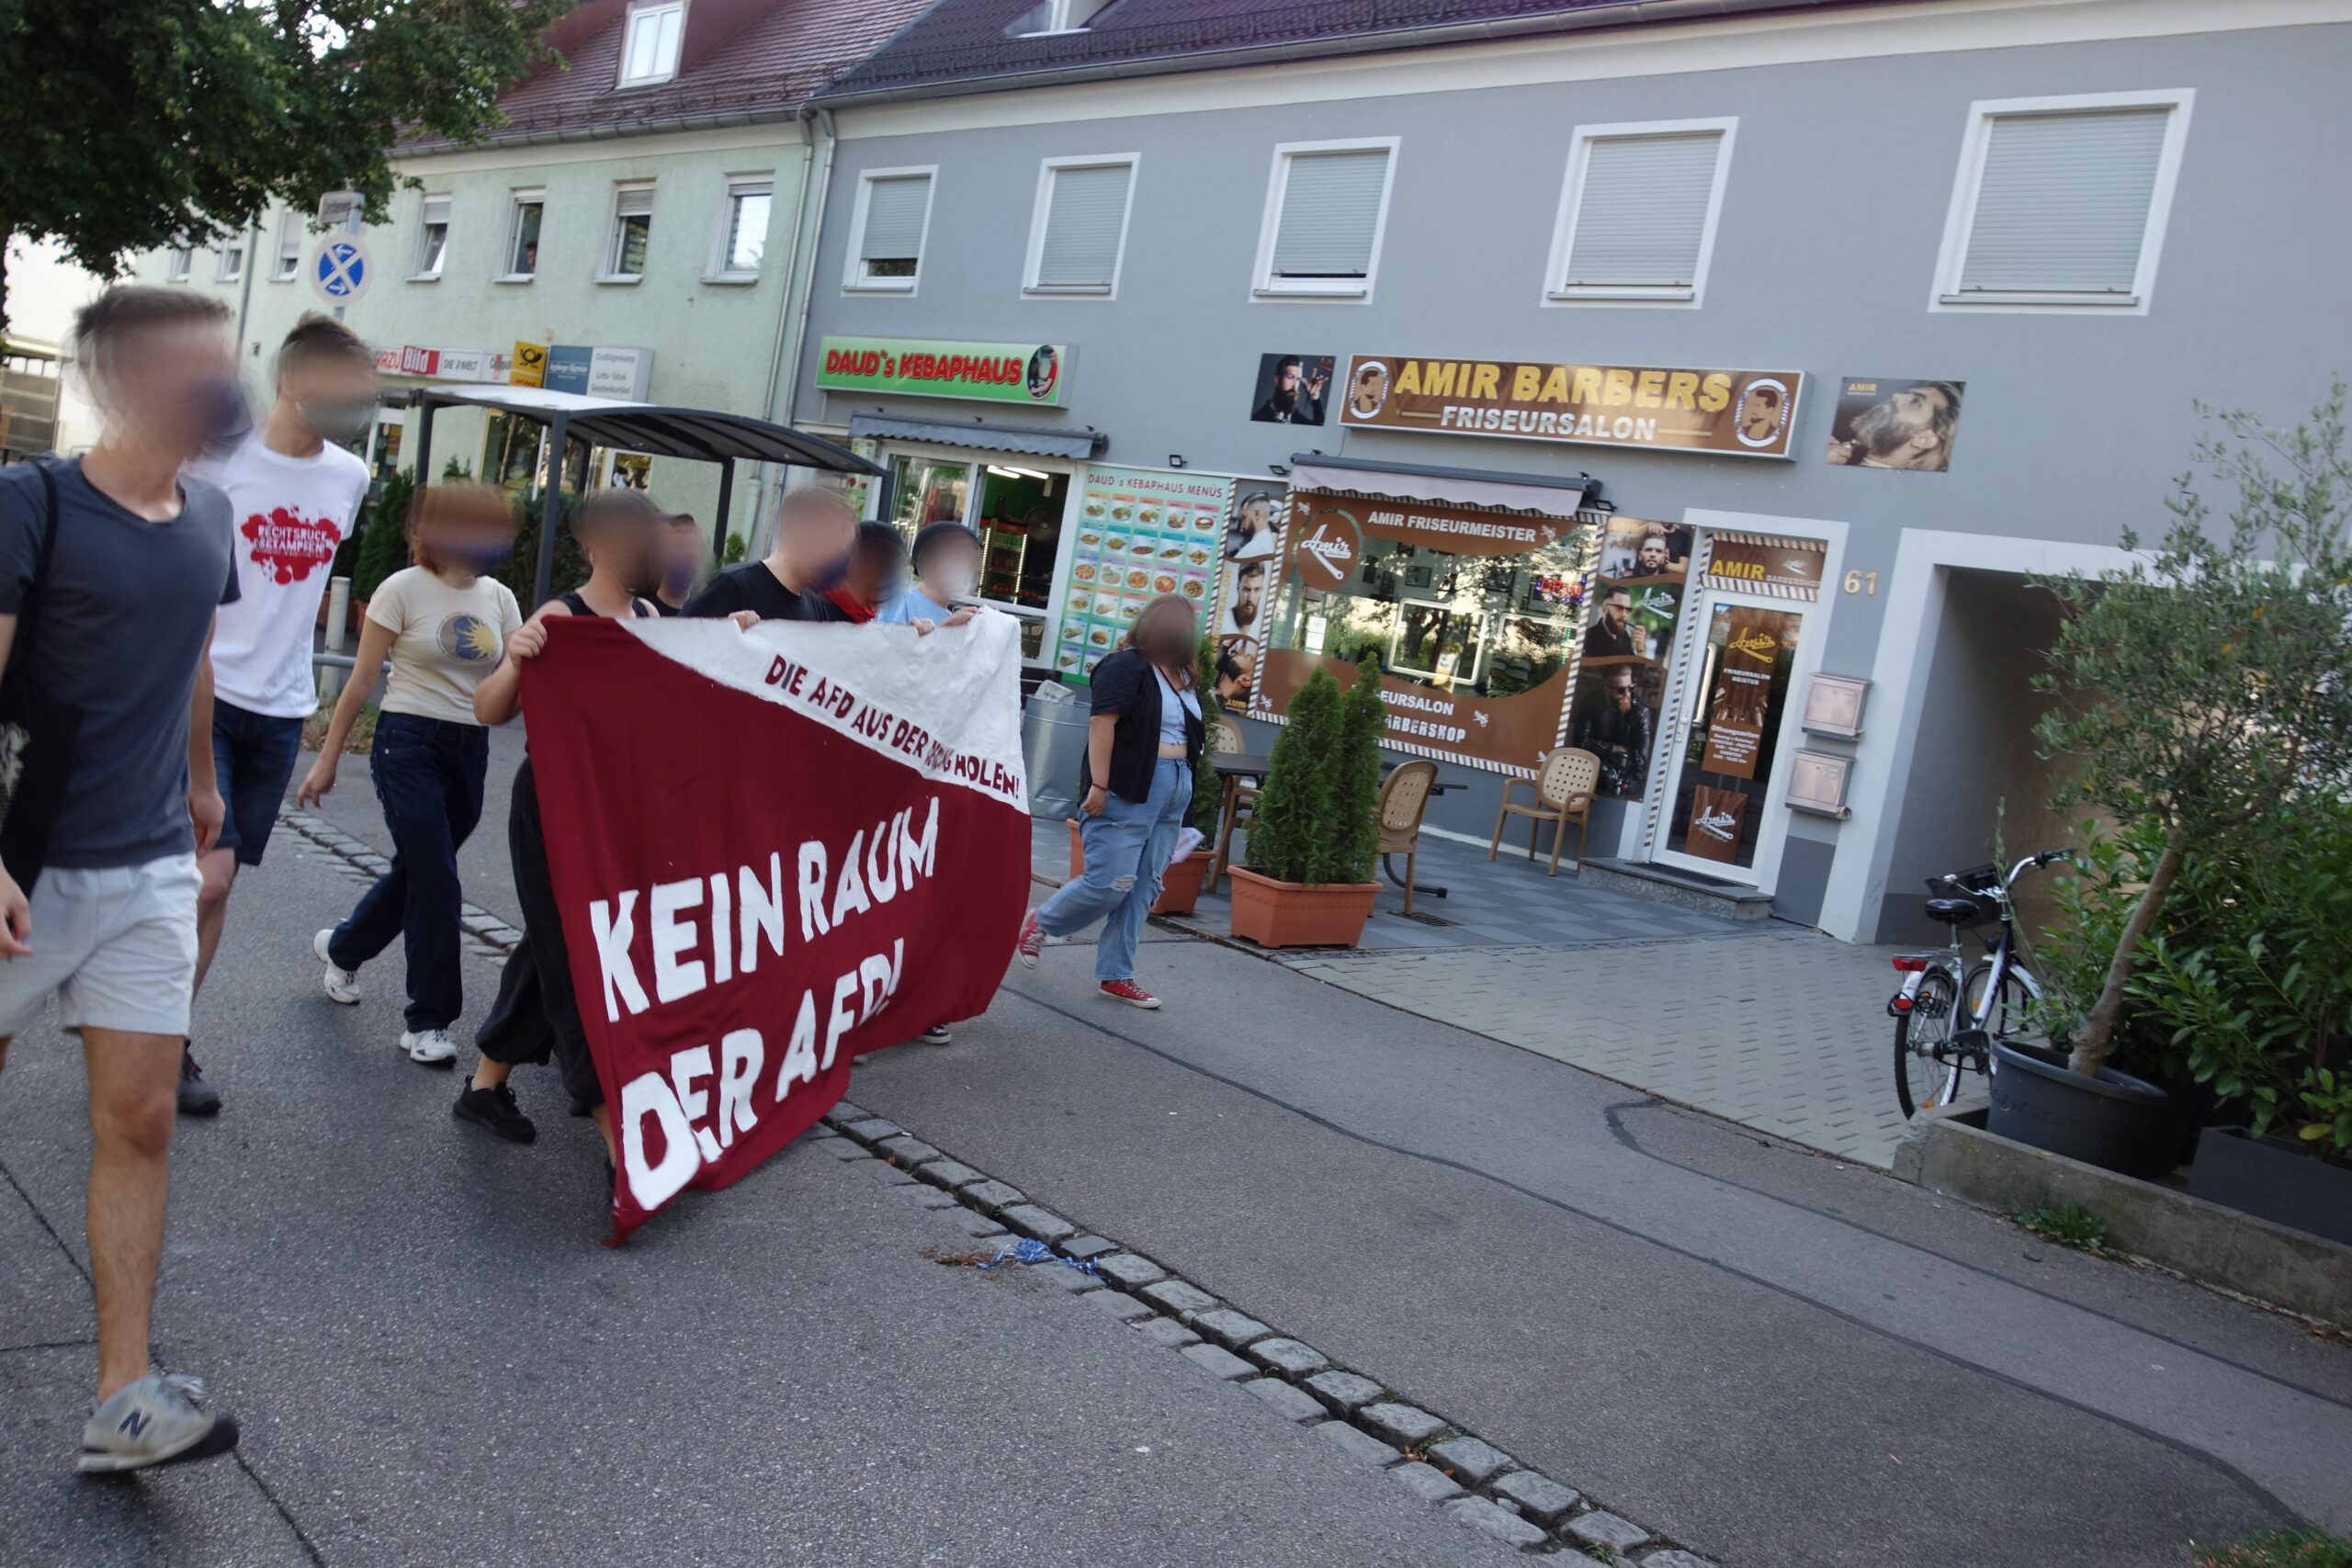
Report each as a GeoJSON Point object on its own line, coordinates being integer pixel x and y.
{"type": "Point", "coordinates": [1141, 534]}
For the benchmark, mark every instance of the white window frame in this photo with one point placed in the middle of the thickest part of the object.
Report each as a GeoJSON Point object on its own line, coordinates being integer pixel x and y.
{"type": "Point", "coordinates": [1557, 291]}
{"type": "Point", "coordinates": [750, 183]}
{"type": "Point", "coordinates": [516, 200]}
{"type": "Point", "coordinates": [621, 78]}
{"type": "Point", "coordinates": [1066, 17]}
{"type": "Point", "coordinates": [179, 263]}
{"type": "Point", "coordinates": [418, 271]}
{"type": "Point", "coordinates": [235, 246]}
{"type": "Point", "coordinates": [1263, 285]}
{"type": "Point", "coordinates": [608, 266]}
{"type": "Point", "coordinates": [1032, 289]}
{"type": "Point", "coordinates": [853, 278]}
{"type": "Point", "coordinates": [285, 264]}
{"type": "Point", "coordinates": [1961, 217]}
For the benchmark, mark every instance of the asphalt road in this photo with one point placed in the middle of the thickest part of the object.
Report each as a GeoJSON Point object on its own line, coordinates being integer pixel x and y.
{"type": "Point", "coordinates": [1772, 1358]}
{"type": "Point", "coordinates": [436, 1362]}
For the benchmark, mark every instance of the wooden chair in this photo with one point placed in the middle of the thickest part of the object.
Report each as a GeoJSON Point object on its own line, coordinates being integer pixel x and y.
{"type": "Point", "coordinates": [1563, 789]}
{"type": "Point", "coordinates": [1239, 805]}
{"type": "Point", "coordinates": [1404, 796]}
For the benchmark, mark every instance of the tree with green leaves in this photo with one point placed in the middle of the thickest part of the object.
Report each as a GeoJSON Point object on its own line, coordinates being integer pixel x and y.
{"type": "Point", "coordinates": [2206, 684]}
{"type": "Point", "coordinates": [1355, 789]}
{"type": "Point", "coordinates": [135, 124]}
{"type": "Point", "coordinates": [1291, 829]}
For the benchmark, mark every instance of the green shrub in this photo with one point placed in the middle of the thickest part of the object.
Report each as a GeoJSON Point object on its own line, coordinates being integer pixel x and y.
{"type": "Point", "coordinates": [1208, 788]}
{"type": "Point", "coordinates": [521, 571]}
{"type": "Point", "coordinates": [1292, 832]}
{"type": "Point", "coordinates": [2281, 1549]}
{"type": "Point", "coordinates": [1356, 792]}
{"type": "Point", "coordinates": [383, 538]}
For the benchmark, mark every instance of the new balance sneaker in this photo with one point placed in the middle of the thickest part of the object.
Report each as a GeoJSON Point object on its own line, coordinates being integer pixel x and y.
{"type": "Point", "coordinates": [431, 1047]}
{"type": "Point", "coordinates": [343, 984]}
{"type": "Point", "coordinates": [196, 1097]}
{"type": "Point", "coordinates": [494, 1108]}
{"type": "Point", "coordinates": [160, 1419]}
{"type": "Point", "coordinates": [1127, 991]}
{"type": "Point", "coordinates": [1032, 941]}
{"type": "Point", "coordinates": [937, 1034]}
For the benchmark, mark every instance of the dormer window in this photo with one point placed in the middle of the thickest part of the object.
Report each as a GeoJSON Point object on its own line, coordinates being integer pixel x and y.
{"type": "Point", "coordinates": [1055, 17]}
{"type": "Point", "coordinates": [650, 47]}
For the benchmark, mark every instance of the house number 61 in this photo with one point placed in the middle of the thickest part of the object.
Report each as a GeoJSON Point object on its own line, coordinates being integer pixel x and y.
{"type": "Point", "coordinates": [1862, 582]}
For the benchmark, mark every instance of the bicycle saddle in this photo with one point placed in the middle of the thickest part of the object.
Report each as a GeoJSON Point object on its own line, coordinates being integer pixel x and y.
{"type": "Point", "coordinates": [1955, 912]}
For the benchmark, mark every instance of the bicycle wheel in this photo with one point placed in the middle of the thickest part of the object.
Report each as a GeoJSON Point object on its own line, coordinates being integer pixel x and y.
{"type": "Point", "coordinates": [1927, 1074]}
{"type": "Point", "coordinates": [2009, 1020]}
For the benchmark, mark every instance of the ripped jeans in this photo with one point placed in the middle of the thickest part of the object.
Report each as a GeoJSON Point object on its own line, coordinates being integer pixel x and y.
{"type": "Point", "coordinates": [1127, 850]}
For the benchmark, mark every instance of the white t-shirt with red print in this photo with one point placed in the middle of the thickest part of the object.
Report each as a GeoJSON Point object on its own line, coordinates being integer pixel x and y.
{"type": "Point", "coordinates": [287, 515]}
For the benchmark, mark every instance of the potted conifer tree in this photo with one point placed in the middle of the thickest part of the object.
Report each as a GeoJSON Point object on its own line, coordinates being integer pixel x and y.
{"type": "Point", "coordinates": [1314, 837]}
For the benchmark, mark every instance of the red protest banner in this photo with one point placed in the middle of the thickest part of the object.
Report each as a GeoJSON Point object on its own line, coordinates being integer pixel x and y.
{"type": "Point", "coordinates": [773, 850]}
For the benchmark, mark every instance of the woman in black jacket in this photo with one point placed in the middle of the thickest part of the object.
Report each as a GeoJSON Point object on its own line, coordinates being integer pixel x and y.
{"type": "Point", "coordinates": [1141, 745]}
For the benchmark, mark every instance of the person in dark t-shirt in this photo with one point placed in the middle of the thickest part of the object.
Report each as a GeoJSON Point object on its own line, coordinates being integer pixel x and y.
{"type": "Point", "coordinates": [815, 530]}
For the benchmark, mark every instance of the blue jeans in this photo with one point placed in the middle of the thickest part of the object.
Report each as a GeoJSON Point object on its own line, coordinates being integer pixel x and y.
{"type": "Point", "coordinates": [429, 776]}
{"type": "Point", "coordinates": [252, 758]}
{"type": "Point", "coordinates": [1127, 850]}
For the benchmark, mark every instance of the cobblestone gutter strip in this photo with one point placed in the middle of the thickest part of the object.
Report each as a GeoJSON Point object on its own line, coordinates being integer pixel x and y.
{"type": "Point", "coordinates": [1463, 1477]}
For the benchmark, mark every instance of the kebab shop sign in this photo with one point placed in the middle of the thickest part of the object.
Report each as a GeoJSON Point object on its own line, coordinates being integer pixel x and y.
{"type": "Point", "coordinates": [858, 876]}
{"type": "Point", "coordinates": [1028, 373]}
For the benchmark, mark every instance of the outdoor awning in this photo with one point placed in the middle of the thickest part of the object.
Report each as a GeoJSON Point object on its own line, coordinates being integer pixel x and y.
{"type": "Point", "coordinates": [1072, 446]}
{"type": "Point", "coordinates": [1552, 496]}
{"type": "Point", "coordinates": [698, 435]}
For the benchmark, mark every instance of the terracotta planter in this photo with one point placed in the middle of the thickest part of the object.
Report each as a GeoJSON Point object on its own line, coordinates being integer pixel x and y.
{"type": "Point", "coordinates": [1179, 890]}
{"type": "Point", "coordinates": [1300, 914]}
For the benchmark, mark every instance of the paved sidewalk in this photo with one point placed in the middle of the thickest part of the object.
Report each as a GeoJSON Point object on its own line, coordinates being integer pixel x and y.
{"type": "Point", "coordinates": [1760, 1022]}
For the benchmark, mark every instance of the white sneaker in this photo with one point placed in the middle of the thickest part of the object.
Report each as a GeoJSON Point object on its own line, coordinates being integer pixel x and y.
{"type": "Point", "coordinates": [160, 1419]}
{"type": "Point", "coordinates": [433, 1047]}
{"type": "Point", "coordinates": [343, 984]}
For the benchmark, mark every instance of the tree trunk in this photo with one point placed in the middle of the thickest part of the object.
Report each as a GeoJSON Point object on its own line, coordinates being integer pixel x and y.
{"type": "Point", "coordinates": [2098, 1035]}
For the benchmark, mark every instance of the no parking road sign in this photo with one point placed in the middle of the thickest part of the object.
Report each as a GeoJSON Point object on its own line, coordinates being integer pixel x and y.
{"type": "Point", "coordinates": [340, 269]}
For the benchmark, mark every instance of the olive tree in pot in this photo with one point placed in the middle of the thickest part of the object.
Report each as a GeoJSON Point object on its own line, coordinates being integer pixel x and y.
{"type": "Point", "coordinates": [1179, 888]}
{"type": "Point", "coordinates": [1313, 836]}
{"type": "Point", "coordinates": [2202, 692]}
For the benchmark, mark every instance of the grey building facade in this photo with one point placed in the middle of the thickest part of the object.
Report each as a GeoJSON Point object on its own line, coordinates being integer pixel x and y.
{"type": "Point", "coordinates": [2030, 236]}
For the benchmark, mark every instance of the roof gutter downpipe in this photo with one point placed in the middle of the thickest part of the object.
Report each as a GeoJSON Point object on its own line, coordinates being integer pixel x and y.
{"type": "Point", "coordinates": [792, 319]}
{"type": "Point", "coordinates": [1630, 13]}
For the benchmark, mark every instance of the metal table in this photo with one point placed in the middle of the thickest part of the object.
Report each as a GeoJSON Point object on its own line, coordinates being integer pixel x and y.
{"type": "Point", "coordinates": [1233, 767]}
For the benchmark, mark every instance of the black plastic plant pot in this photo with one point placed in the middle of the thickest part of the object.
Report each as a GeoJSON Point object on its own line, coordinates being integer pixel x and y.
{"type": "Point", "coordinates": [2271, 1179]}
{"type": "Point", "coordinates": [2114, 1120]}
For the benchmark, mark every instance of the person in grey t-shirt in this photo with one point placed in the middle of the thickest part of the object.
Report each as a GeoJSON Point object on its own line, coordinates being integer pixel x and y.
{"type": "Point", "coordinates": [108, 927]}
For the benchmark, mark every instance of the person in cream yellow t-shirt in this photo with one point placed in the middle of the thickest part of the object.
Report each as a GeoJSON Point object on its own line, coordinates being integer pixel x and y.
{"type": "Point", "coordinates": [444, 623]}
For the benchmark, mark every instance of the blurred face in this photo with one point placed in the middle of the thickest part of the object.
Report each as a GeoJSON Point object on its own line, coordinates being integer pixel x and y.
{"type": "Point", "coordinates": [681, 556]}
{"type": "Point", "coordinates": [951, 569]}
{"type": "Point", "coordinates": [334, 394]}
{"type": "Point", "coordinates": [173, 387]}
{"type": "Point", "coordinates": [815, 542]}
{"type": "Point", "coordinates": [626, 548]}
{"type": "Point", "coordinates": [873, 575]}
{"type": "Point", "coordinates": [1286, 379]}
{"type": "Point", "coordinates": [1168, 636]}
{"type": "Point", "coordinates": [1760, 416]}
{"type": "Point", "coordinates": [474, 539]}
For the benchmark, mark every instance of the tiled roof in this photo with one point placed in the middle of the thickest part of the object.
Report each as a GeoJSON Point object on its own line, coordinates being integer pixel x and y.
{"type": "Point", "coordinates": [770, 64]}
{"type": "Point", "coordinates": [964, 41]}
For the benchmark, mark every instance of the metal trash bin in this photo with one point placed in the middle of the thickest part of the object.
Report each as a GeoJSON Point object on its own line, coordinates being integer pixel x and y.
{"type": "Point", "coordinates": [1053, 747]}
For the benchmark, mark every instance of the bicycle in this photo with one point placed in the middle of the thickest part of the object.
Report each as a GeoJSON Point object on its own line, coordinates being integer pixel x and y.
{"type": "Point", "coordinates": [1949, 1011]}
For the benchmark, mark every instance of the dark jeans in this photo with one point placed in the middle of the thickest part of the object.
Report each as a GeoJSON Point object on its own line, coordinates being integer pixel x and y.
{"type": "Point", "coordinates": [537, 1016]}
{"type": "Point", "coordinates": [428, 775]}
{"type": "Point", "coordinates": [252, 758]}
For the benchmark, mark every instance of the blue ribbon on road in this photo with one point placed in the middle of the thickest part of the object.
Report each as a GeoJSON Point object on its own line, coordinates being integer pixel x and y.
{"type": "Point", "coordinates": [1034, 1252]}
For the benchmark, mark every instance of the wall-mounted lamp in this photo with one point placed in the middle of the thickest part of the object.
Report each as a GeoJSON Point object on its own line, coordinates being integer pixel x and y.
{"type": "Point", "coordinates": [1280, 470]}
{"type": "Point", "coordinates": [1175, 459]}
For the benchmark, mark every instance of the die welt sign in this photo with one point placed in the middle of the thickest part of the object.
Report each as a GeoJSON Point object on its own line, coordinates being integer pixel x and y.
{"type": "Point", "coordinates": [821, 848]}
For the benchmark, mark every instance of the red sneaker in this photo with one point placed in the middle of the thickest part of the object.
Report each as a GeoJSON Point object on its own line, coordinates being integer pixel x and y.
{"type": "Point", "coordinates": [1127, 991]}
{"type": "Point", "coordinates": [1031, 942]}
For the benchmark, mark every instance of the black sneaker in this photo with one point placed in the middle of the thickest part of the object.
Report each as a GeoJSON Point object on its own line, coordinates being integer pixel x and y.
{"type": "Point", "coordinates": [196, 1097]}
{"type": "Point", "coordinates": [937, 1034]}
{"type": "Point", "coordinates": [494, 1108]}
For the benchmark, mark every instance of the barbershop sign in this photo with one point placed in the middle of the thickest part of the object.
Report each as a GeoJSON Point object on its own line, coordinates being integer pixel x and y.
{"type": "Point", "coordinates": [1736, 413]}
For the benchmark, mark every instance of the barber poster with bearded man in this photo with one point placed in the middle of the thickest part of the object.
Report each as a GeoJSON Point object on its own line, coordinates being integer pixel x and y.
{"type": "Point", "coordinates": [1891, 423]}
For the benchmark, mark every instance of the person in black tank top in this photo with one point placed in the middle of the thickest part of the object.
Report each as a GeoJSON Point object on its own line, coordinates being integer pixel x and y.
{"type": "Point", "coordinates": [536, 1017]}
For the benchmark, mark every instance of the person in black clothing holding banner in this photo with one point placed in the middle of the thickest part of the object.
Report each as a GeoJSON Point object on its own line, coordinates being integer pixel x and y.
{"type": "Point", "coordinates": [537, 1016]}
{"type": "Point", "coordinates": [816, 529]}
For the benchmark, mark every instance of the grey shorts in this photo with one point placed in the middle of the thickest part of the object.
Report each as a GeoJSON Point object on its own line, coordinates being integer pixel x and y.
{"type": "Point", "coordinates": [114, 944]}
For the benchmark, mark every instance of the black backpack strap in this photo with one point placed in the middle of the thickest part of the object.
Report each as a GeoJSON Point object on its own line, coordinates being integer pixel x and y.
{"type": "Point", "coordinates": [29, 616]}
